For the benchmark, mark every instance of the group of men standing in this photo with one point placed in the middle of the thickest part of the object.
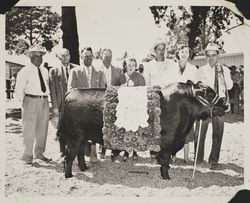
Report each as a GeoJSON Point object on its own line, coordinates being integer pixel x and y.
{"type": "Point", "coordinates": [61, 79]}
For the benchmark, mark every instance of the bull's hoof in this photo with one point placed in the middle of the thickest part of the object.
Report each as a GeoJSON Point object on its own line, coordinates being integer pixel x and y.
{"type": "Point", "coordinates": [68, 175]}
{"type": "Point", "coordinates": [164, 173]}
{"type": "Point", "coordinates": [83, 168]}
{"type": "Point", "coordinates": [125, 158]}
{"type": "Point", "coordinates": [113, 158]}
{"type": "Point", "coordinates": [166, 178]}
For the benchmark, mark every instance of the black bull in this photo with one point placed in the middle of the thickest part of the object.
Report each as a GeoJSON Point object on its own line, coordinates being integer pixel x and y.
{"type": "Point", "coordinates": [181, 104]}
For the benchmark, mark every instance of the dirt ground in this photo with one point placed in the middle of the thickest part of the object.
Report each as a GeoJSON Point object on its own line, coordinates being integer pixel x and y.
{"type": "Point", "coordinates": [107, 178]}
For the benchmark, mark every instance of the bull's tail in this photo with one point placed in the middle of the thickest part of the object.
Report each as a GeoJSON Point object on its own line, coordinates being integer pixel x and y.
{"type": "Point", "coordinates": [61, 112]}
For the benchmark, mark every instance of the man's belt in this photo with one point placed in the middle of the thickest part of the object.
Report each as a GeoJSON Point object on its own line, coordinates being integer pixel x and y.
{"type": "Point", "coordinates": [36, 96]}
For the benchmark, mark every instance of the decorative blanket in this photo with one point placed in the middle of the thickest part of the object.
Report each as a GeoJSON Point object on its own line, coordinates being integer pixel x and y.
{"type": "Point", "coordinates": [131, 110]}
{"type": "Point", "coordinates": [131, 118]}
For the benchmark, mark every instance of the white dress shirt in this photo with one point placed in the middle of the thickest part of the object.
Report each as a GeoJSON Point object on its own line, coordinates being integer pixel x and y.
{"type": "Point", "coordinates": [189, 73]}
{"type": "Point", "coordinates": [88, 72]}
{"type": "Point", "coordinates": [206, 74]}
{"type": "Point", "coordinates": [28, 81]}
{"type": "Point", "coordinates": [160, 73]}
{"type": "Point", "coordinates": [66, 70]}
{"type": "Point", "coordinates": [107, 73]}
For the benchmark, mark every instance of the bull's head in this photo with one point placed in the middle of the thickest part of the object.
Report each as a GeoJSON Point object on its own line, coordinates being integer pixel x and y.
{"type": "Point", "coordinates": [210, 99]}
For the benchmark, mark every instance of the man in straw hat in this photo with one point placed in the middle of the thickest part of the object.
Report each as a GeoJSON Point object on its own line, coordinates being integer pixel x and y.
{"type": "Point", "coordinates": [157, 71]}
{"type": "Point", "coordinates": [218, 77]}
{"type": "Point", "coordinates": [32, 90]}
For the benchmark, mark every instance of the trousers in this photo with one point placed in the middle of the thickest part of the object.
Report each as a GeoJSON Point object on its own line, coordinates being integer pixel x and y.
{"type": "Point", "coordinates": [217, 134]}
{"type": "Point", "coordinates": [35, 119]}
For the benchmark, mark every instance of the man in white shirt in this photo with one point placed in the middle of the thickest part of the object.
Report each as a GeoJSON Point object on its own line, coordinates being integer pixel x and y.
{"type": "Point", "coordinates": [32, 90]}
{"type": "Point", "coordinates": [111, 77]}
{"type": "Point", "coordinates": [111, 73]}
{"type": "Point", "coordinates": [217, 77]}
{"type": "Point", "coordinates": [86, 76]}
{"type": "Point", "coordinates": [159, 71]}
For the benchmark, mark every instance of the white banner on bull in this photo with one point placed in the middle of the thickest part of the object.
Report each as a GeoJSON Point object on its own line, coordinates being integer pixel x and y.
{"type": "Point", "coordinates": [131, 111]}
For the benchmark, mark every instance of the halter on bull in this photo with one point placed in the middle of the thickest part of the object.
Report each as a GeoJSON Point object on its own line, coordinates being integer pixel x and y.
{"type": "Point", "coordinates": [81, 119]}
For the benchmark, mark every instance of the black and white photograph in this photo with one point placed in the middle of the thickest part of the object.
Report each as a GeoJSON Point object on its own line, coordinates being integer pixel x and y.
{"type": "Point", "coordinates": [125, 99]}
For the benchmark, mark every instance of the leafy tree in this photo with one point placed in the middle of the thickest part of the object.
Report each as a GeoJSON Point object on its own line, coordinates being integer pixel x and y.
{"type": "Point", "coordinates": [35, 25]}
{"type": "Point", "coordinates": [195, 26]}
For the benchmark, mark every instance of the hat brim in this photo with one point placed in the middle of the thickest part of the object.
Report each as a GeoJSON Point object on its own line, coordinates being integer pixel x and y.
{"type": "Point", "coordinates": [217, 50]}
{"type": "Point", "coordinates": [152, 50]}
{"type": "Point", "coordinates": [30, 52]}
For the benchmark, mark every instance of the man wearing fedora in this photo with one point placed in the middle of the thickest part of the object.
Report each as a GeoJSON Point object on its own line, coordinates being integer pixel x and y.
{"type": "Point", "coordinates": [32, 90]}
{"type": "Point", "coordinates": [217, 77]}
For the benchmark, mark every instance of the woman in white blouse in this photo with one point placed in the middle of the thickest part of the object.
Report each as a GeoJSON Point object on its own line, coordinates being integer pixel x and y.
{"type": "Point", "coordinates": [186, 71]}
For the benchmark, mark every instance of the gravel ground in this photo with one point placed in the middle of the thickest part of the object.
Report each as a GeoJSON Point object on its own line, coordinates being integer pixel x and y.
{"type": "Point", "coordinates": [108, 178]}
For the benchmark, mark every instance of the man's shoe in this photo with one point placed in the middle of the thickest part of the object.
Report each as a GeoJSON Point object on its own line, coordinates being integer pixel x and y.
{"type": "Point", "coordinates": [199, 162]}
{"type": "Point", "coordinates": [214, 166]}
{"type": "Point", "coordinates": [27, 159]}
{"type": "Point", "coordinates": [93, 159]}
{"type": "Point", "coordinates": [135, 157]}
{"type": "Point", "coordinates": [102, 156]}
{"type": "Point", "coordinates": [43, 158]}
{"type": "Point", "coordinates": [125, 158]}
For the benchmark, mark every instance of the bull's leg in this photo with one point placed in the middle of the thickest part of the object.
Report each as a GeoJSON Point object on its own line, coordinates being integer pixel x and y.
{"type": "Point", "coordinates": [115, 153]}
{"type": "Point", "coordinates": [69, 158]}
{"type": "Point", "coordinates": [103, 152]}
{"type": "Point", "coordinates": [81, 160]}
{"type": "Point", "coordinates": [163, 158]}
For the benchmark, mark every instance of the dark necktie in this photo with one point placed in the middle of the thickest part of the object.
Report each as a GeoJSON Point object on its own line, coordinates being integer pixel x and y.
{"type": "Point", "coordinates": [216, 83]}
{"type": "Point", "coordinates": [67, 73]}
{"type": "Point", "coordinates": [182, 70]}
{"type": "Point", "coordinates": [43, 88]}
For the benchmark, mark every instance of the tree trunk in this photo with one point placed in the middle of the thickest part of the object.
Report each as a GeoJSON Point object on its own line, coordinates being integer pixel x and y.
{"type": "Point", "coordinates": [70, 35]}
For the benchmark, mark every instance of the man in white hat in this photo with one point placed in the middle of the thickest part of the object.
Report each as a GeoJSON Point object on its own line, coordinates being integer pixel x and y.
{"type": "Point", "coordinates": [217, 77]}
{"type": "Point", "coordinates": [32, 90]}
{"type": "Point", "coordinates": [158, 70]}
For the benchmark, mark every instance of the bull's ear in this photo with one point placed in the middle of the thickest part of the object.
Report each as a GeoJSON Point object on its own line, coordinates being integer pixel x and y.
{"type": "Point", "coordinates": [198, 83]}
{"type": "Point", "coordinates": [201, 85]}
{"type": "Point", "coordinates": [189, 82]}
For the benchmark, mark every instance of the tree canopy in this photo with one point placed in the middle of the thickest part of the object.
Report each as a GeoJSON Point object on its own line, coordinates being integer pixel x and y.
{"type": "Point", "coordinates": [26, 26]}
{"type": "Point", "coordinates": [195, 26]}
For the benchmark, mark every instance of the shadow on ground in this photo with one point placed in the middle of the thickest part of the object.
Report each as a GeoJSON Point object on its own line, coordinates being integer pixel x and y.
{"type": "Point", "coordinates": [148, 174]}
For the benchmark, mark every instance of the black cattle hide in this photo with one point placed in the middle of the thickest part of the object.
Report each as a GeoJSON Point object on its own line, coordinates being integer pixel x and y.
{"type": "Point", "coordinates": [81, 120]}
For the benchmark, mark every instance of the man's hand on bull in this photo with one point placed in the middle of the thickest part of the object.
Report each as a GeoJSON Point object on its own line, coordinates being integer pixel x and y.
{"type": "Point", "coordinates": [55, 112]}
